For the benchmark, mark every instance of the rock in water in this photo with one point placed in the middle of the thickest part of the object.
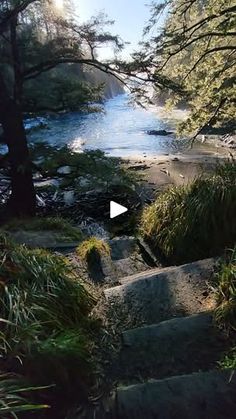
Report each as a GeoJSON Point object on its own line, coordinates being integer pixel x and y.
{"type": "Point", "coordinates": [161, 132]}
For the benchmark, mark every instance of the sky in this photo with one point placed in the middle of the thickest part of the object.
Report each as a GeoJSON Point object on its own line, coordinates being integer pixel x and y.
{"type": "Point", "coordinates": [129, 15]}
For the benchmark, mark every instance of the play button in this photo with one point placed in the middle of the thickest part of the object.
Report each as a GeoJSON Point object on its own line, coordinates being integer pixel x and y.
{"type": "Point", "coordinates": [116, 209]}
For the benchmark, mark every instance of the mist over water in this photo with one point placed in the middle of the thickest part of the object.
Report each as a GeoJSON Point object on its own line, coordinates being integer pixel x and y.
{"type": "Point", "coordinates": [121, 130]}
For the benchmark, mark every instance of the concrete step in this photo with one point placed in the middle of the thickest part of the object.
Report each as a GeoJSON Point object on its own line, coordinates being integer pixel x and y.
{"type": "Point", "coordinates": [204, 395]}
{"type": "Point", "coordinates": [159, 294]}
{"type": "Point", "coordinates": [177, 346]}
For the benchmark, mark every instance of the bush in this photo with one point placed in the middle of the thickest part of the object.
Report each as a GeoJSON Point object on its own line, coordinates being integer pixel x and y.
{"type": "Point", "coordinates": [44, 310]}
{"type": "Point", "coordinates": [196, 221]}
{"type": "Point", "coordinates": [225, 289]}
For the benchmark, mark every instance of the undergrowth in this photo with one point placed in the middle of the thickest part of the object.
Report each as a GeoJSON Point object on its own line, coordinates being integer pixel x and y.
{"type": "Point", "coordinates": [46, 329]}
{"type": "Point", "coordinates": [92, 166]}
{"type": "Point", "coordinates": [14, 396]}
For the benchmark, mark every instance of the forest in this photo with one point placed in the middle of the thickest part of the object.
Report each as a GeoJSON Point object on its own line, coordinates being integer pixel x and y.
{"type": "Point", "coordinates": [100, 317]}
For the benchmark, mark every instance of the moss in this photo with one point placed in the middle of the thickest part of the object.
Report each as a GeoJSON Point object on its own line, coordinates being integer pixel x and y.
{"type": "Point", "coordinates": [56, 224]}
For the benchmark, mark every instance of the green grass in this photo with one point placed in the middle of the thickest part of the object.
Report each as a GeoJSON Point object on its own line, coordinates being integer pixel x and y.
{"type": "Point", "coordinates": [195, 221]}
{"type": "Point", "coordinates": [88, 247]}
{"type": "Point", "coordinates": [229, 360]}
{"type": "Point", "coordinates": [45, 319]}
{"type": "Point", "coordinates": [13, 399]}
{"type": "Point", "coordinates": [56, 224]}
{"type": "Point", "coordinates": [225, 290]}
{"type": "Point", "coordinates": [224, 285]}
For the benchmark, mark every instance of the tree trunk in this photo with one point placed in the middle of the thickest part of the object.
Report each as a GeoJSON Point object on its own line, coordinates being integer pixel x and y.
{"type": "Point", "coordinates": [22, 201]}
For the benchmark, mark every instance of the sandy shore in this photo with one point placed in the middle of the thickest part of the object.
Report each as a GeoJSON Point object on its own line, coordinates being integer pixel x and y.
{"type": "Point", "coordinates": [158, 172]}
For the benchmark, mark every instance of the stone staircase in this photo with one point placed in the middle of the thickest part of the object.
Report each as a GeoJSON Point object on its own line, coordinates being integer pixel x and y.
{"type": "Point", "coordinates": [168, 364]}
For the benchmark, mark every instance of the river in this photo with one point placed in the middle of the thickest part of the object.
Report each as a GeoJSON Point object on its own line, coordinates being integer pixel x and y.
{"type": "Point", "coordinates": [121, 130]}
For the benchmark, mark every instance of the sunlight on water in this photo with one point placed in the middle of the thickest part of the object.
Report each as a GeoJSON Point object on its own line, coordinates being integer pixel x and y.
{"type": "Point", "coordinates": [120, 131]}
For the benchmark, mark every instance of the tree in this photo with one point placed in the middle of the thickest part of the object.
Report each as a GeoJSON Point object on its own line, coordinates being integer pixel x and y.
{"type": "Point", "coordinates": [196, 49]}
{"type": "Point", "coordinates": [35, 40]}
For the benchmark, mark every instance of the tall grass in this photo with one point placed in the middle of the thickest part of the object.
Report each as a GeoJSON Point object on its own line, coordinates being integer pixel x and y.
{"type": "Point", "coordinates": [225, 290]}
{"type": "Point", "coordinates": [195, 221]}
{"type": "Point", "coordinates": [45, 319]}
{"type": "Point", "coordinates": [13, 399]}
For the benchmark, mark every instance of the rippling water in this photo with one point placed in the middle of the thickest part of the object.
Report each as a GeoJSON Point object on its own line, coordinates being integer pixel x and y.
{"type": "Point", "coordinates": [119, 131]}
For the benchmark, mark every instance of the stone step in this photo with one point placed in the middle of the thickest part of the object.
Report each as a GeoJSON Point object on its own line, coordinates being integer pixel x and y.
{"type": "Point", "coordinates": [195, 268]}
{"type": "Point", "coordinates": [204, 395]}
{"type": "Point", "coordinates": [159, 294]}
{"type": "Point", "coordinates": [177, 346]}
{"type": "Point", "coordinates": [53, 240]}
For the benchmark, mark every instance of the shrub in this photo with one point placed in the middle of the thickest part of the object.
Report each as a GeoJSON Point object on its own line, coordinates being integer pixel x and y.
{"type": "Point", "coordinates": [225, 289]}
{"type": "Point", "coordinates": [196, 221]}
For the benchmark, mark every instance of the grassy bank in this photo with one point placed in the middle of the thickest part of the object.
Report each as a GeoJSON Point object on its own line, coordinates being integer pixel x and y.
{"type": "Point", "coordinates": [191, 222]}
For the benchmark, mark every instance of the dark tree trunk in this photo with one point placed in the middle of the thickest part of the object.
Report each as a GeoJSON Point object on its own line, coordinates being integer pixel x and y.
{"type": "Point", "coordinates": [22, 200]}
{"type": "Point", "coordinates": [16, 62]}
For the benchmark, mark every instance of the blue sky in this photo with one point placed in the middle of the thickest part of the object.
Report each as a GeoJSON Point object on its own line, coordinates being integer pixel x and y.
{"type": "Point", "coordinates": [129, 15]}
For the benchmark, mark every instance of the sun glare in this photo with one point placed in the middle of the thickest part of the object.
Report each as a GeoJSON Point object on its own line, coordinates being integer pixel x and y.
{"type": "Point", "coordinates": [59, 4]}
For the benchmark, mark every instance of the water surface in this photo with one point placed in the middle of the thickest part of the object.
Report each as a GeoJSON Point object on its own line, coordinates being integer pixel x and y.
{"type": "Point", "coordinates": [121, 130]}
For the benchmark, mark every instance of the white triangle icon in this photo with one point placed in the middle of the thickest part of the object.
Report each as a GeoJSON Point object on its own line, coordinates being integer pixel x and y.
{"type": "Point", "coordinates": [116, 209]}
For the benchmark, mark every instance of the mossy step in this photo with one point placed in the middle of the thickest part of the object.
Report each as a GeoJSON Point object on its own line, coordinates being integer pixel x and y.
{"type": "Point", "coordinates": [52, 240]}
{"type": "Point", "coordinates": [204, 395]}
{"type": "Point", "coordinates": [160, 294]}
{"type": "Point", "coordinates": [177, 346]}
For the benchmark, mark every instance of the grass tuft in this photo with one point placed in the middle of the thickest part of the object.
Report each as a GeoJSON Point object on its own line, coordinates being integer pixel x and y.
{"type": "Point", "coordinates": [12, 399]}
{"type": "Point", "coordinates": [91, 246]}
{"type": "Point", "coordinates": [195, 221]}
